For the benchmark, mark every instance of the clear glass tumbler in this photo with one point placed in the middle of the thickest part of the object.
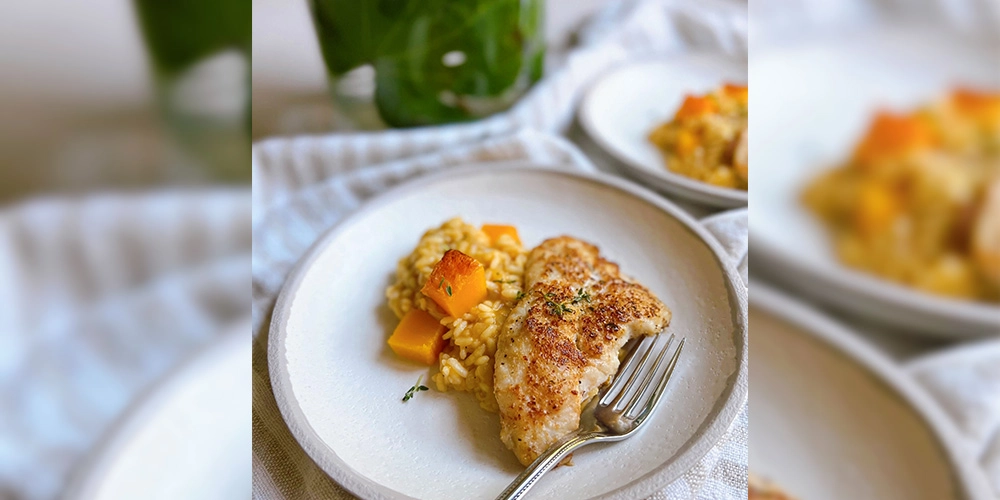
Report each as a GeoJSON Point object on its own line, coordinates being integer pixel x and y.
{"type": "Point", "coordinates": [200, 50]}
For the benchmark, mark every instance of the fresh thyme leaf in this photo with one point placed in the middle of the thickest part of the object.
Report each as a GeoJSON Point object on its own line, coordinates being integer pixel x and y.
{"type": "Point", "coordinates": [441, 283]}
{"type": "Point", "coordinates": [505, 281]}
{"type": "Point", "coordinates": [448, 289]}
{"type": "Point", "coordinates": [557, 308]}
{"type": "Point", "coordinates": [581, 296]}
{"type": "Point", "coordinates": [520, 295]}
{"type": "Point", "coordinates": [415, 389]}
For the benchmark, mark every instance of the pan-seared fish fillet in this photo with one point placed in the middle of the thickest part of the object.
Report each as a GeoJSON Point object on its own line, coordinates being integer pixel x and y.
{"type": "Point", "coordinates": [561, 341]}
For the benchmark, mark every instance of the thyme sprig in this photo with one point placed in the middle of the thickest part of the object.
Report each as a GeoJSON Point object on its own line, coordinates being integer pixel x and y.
{"type": "Point", "coordinates": [556, 308]}
{"type": "Point", "coordinates": [447, 289]}
{"type": "Point", "coordinates": [415, 389]}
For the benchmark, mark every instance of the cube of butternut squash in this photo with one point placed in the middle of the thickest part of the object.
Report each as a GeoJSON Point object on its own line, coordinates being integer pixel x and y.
{"type": "Point", "coordinates": [418, 337]}
{"type": "Point", "coordinates": [456, 284]}
{"type": "Point", "coordinates": [893, 135]}
{"type": "Point", "coordinates": [495, 231]}
{"type": "Point", "coordinates": [695, 106]}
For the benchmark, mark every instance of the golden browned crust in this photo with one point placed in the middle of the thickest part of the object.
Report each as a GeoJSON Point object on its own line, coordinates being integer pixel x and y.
{"type": "Point", "coordinates": [562, 340]}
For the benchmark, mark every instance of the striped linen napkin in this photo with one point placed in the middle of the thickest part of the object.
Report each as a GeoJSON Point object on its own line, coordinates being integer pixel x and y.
{"type": "Point", "coordinates": [281, 469]}
{"type": "Point", "coordinates": [101, 297]}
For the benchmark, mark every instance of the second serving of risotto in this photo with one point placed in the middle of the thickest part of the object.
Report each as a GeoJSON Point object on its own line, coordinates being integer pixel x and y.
{"type": "Point", "coordinates": [918, 201]}
{"type": "Point", "coordinates": [707, 138]}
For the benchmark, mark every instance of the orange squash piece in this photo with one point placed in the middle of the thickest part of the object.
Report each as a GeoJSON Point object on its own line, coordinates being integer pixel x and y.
{"type": "Point", "coordinates": [893, 135]}
{"type": "Point", "coordinates": [418, 337]}
{"type": "Point", "coordinates": [982, 105]}
{"type": "Point", "coordinates": [456, 284]}
{"type": "Point", "coordinates": [695, 106]}
{"type": "Point", "coordinates": [738, 92]}
{"type": "Point", "coordinates": [495, 231]}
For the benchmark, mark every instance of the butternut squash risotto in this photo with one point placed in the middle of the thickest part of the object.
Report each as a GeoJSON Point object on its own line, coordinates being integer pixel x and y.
{"type": "Point", "coordinates": [466, 362]}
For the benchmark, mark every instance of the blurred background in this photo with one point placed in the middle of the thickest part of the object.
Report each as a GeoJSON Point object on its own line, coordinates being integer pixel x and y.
{"type": "Point", "coordinates": [109, 96]}
{"type": "Point", "coordinates": [124, 229]}
{"type": "Point", "coordinates": [875, 348]}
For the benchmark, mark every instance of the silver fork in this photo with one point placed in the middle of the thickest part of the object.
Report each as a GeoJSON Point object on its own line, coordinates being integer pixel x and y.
{"type": "Point", "coordinates": [610, 416]}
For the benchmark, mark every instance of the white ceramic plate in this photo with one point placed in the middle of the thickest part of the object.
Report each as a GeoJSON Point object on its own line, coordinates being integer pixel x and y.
{"type": "Point", "coordinates": [833, 418]}
{"type": "Point", "coordinates": [621, 109]}
{"type": "Point", "coordinates": [339, 386]}
{"type": "Point", "coordinates": [188, 438]}
{"type": "Point", "coordinates": [819, 97]}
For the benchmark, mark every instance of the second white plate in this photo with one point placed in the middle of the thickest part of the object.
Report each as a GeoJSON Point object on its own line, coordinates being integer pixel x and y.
{"type": "Point", "coordinates": [624, 106]}
{"type": "Point", "coordinates": [810, 126]}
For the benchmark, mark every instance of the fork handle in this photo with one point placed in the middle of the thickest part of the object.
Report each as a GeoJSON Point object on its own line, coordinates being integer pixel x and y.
{"type": "Point", "coordinates": [544, 463]}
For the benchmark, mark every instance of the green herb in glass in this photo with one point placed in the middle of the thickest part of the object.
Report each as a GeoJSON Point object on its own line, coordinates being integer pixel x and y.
{"type": "Point", "coordinates": [435, 61]}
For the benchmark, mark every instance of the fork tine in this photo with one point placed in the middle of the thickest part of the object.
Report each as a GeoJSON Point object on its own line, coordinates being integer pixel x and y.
{"type": "Point", "coordinates": [648, 379]}
{"type": "Point", "coordinates": [648, 408]}
{"type": "Point", "coordinates": [617, 383]}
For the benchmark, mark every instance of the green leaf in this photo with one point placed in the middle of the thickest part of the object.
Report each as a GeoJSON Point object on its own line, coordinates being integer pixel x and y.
{"type": "Point", "coordinates": [448, 290]}
{"type": "Point", "coordinates": [179, 33]}
{"type": "Point", "coordinates": [406, 40]}
{"type": "Point", "coordinates": [415, 389]}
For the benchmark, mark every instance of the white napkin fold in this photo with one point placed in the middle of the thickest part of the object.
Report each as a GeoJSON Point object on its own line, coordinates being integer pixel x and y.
{"type": "Point", "coordinates": [966, 382]}
{"type": "Point", "coordinates": [286, 230]}
{"type": "Point", "coordinates": [732, 229]}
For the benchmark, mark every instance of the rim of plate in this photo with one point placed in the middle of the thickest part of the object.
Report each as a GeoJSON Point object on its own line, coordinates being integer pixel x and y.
{"type": "Point", "coordinates": [955, 446]}
{"type": "Point", "coordinates": [662, 178]}
{"type": "Point", "coordinates": [733, 399]}
{"type": "Point", "coordinates": [877, 289]}
{"type": "Point", "coordinates": [85, 483]}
